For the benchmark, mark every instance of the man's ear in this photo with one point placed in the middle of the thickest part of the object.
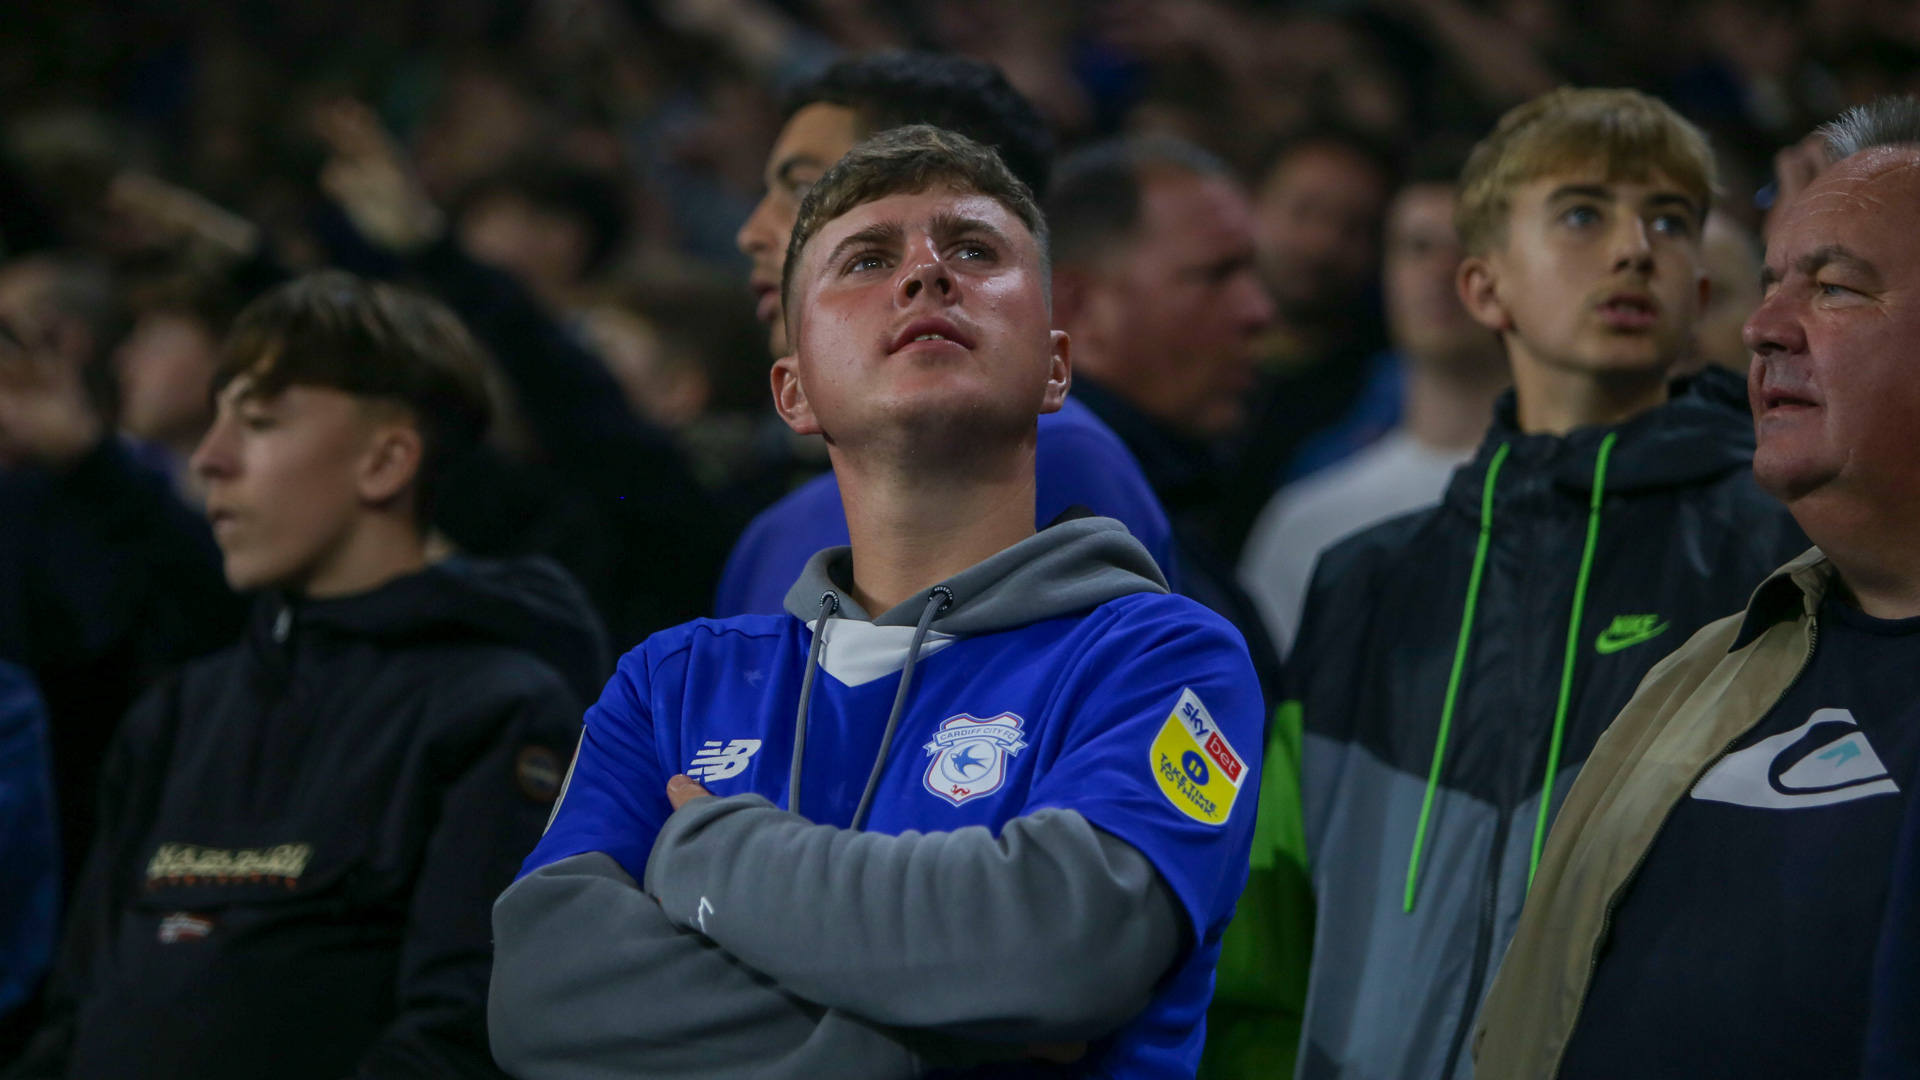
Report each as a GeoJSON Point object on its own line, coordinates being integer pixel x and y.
{"type": "Point", "coordinates": [392, 461]}
{"type": "Point", "coordinates": [1478, 283]}
{"type": "Point", "coordinates": [790, 398]}
{"type": "Point", "coordinates": [1059, 373]}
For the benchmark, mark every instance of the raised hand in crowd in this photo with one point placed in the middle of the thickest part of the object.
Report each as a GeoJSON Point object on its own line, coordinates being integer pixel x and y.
{"type": "Point", "coordinates": [160, 211]}
{"type": "Point", "coordinates": [371, 179]}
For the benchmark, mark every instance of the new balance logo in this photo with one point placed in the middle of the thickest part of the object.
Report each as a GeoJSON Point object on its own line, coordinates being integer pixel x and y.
{"type": "Point", "coordinates": [717, 762]}
{"type": "Point", "coordinates": [1628, 631]}
{"type": "Point", "coordinates": [1824, 761]}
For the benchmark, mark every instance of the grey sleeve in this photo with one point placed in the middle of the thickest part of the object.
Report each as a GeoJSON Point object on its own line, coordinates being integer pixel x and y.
{"type": "Point", "coordinates": [591, 982]}
{"type": "Point", "coordinates": [1051, 932]}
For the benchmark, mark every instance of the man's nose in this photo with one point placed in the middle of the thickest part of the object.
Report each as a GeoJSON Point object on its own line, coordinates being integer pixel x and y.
{"type": "Point", "coordinates": [926, 273]}
{"type": "Point", "coordinates": [215, 456]}
{"type": "Point", "coordinates": [1632, 246]}
{"type": "Point", "coordinates": [757, 233]}
{"type": "Point", "coordinates": [1775, 327]}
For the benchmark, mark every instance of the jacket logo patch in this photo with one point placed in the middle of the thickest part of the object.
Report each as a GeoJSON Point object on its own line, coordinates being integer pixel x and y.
{"type": "Point", "coordinates": [1198, 770]}
{"type": "Point", "coordinates": [1628, 631]}
{"type": "Point", "coordinates": [186, 864]}
{"type": "Point", "coordinates": [715, 761]}
{"type": "Point", "coordinates": [184, 926]}
{"type": "Point", "coordinates": [970, 755]}
{"type": "Point", "coordinates": [1824, 761]}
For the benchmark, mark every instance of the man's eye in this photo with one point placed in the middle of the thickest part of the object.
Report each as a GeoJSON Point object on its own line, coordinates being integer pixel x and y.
{"type": "Point", "coordinates": [256, 421]}
{"type": "Point", "coordinates": [1673, 225]}
{"type": "Point", "coordinates": [1828, 288]}
{"type": "Point", "coordinates": [973, 251]}
{"type": "Point", "coordinates": [1581, 216]}
{"type": "Point", "coordinates": [863, 262]}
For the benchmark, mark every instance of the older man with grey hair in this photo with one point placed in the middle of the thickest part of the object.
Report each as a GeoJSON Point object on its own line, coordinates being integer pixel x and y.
{"type": "Point", "coordinates": [1717, 888]}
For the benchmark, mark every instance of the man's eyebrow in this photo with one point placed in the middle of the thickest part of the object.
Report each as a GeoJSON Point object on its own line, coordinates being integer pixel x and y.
{"type": "Point", "coordinates": [784, 171]}
{"type": "Point", "coordinates": [1670, 198]}
{"type": "Point", "coordinates": [1830, 254]}
{"type": "Point", "coordinates": [1586, 191]}
{"type": "Point", "coordinates": [878, 234]}
{"type": "Point", "coordinates": [948, 226]}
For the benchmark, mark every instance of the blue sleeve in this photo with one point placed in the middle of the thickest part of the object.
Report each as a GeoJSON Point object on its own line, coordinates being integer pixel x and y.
{"type": "Point", "coordinates": [1165, 750]}
{"type": "Point", "coordinates": [1080, 462]}
{"type": "Point", "coordinates": [615, 797]}
{"type": "Point", "coordinates": [30, 888]}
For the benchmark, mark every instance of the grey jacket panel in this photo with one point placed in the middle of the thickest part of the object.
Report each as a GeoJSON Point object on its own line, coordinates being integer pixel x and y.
{"type": "Point", "coordinates": [1073, 566]}
{"type": "Point", "coordinates": [1052, 932]}
{"type": "Point", "coordinates": [592, 982]}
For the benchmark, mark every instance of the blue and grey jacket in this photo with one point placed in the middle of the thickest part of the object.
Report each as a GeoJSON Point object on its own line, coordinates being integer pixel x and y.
{"type": "Point", "coordinates": [1012, 811]}
{"type": "Point", "coordinates": [1455, 667]}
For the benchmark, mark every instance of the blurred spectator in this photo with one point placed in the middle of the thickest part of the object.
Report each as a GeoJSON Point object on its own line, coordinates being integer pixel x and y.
{"type": "Point", "coordinates": [549, 223]}
{"type": "Point", "coordinates": [1731, 257]}
{"type": "Point", "coordinates": [1319, 210]}
{"type": "Point", "coordinates": [1435, 390]}
{"type": "Point", "coordinates": [649, 550]}
{"type": "Point", "coordinates": [1155, 280]}
{"type": "Point", "coordinates": [29, 849]}
{"type": "Point", "coordinates": [692, 358]}
{"type": "Point", "coordinates": [1078, 460]}
{"type": "Point", "coordinates": [164, 367]}
{"type": "Point", "coordinates": [106, 579]}
{"type": "Point", "coordinates": [303, 834]}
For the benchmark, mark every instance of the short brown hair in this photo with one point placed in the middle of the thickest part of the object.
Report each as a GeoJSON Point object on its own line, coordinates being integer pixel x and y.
{"type": "Point", "coordinates": [908, 160]}
{"type": "Point", "coordinates": [1627, 133]}
{"type": "Point", "coordinates": [370, 340]}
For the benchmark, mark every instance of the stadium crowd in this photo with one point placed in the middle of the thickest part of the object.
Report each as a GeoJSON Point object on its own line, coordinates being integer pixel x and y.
{"type": "Point", "coordinates": [1409, 576]}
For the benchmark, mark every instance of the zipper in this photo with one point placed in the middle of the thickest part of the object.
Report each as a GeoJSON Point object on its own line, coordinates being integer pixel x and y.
{"type": "Point", "coordinates": [1613, 901]}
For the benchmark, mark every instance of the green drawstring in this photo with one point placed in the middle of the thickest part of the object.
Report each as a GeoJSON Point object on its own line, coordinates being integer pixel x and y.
{"type": "Point", "coordinates": [1459, 664]}
{"type": "Point", "coordinates": [1573, 643]}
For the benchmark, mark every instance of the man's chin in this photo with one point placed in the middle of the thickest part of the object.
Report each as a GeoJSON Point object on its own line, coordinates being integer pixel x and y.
{"type": "Point", "coordinates": [1788, 472]}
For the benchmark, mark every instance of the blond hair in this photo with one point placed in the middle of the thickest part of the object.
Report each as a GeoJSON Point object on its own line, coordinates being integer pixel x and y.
{"type": "Point", "coordinates": [1627, 134]}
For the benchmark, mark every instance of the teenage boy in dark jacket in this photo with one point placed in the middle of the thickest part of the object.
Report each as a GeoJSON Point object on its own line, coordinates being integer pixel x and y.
{"type": "Point", "coordinates": [300, 835]}
{"type": "Point", "coordinates": [1456, 665]}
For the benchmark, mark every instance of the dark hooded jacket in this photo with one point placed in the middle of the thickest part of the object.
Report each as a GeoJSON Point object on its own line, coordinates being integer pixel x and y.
{"type": "Point", "coordinates": [301, 836]}
{"type": "Point", "coordinates": [1456, 665]}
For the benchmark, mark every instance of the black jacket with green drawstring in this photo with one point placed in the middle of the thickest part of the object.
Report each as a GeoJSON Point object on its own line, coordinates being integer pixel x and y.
{"type": "Point", "coordinates": [1457, 664]}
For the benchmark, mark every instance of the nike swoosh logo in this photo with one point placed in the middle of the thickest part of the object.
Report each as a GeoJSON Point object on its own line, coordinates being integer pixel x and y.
{"type": "Point", "coordinates": [1618, 636]}
{"type": "Point", "coordinates": [1768, 776]}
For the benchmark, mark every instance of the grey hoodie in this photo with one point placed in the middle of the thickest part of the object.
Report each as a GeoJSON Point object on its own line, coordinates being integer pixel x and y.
{"type": "Point", "coordinates": [762, 945]}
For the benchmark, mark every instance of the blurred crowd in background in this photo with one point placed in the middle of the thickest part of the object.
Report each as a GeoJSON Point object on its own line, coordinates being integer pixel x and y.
{"type": "Point", "coordinates": [162, 163]}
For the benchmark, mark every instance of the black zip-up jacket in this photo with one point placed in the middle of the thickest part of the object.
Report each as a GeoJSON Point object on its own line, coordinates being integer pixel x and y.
{"type": "Point", "coordinates": [1459, 617]}
{"type": "Point", "coordinates": [302, 836]}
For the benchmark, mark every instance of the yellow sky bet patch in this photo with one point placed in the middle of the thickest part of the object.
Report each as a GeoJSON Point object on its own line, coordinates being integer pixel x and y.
{"type": "Point", "coordinates": [1197, 768]}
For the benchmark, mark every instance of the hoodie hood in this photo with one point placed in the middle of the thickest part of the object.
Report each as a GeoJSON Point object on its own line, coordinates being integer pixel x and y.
{"type": "Point", "coordinates": [1702, 432]}
{"type": "Point", "coordinates": [525, 603]}
{"type": "Point", "coordinates": [1071, 566]}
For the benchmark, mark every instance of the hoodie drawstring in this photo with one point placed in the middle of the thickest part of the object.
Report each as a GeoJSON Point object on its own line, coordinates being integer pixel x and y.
{"type": "Point", "coordinates": [1459, 665]}
{"type": "Point", "coordinates": [938, 599]}
{"type": "Point", "coordinates": [1573, 643]}
{"type": "Point", "coordinates": [1461, 648]}
{"type": "Point", "coordinates": [829, 603]}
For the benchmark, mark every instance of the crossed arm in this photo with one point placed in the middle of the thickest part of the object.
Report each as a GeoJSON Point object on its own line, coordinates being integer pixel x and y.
{"type": "Point", "coordinates": [764, 945]}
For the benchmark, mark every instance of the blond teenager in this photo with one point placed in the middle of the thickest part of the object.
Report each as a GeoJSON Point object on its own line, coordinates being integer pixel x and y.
{"type": "Point", "coordinates": [1455, 666]}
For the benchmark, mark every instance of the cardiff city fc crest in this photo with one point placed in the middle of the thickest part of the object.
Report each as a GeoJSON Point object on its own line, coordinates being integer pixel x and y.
{"type": "Point", "coordinates": [970, 755]}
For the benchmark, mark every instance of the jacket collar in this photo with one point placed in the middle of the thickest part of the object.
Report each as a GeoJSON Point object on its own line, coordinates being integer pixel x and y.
{"type": "Point", "coordinates": [1794, 591]}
